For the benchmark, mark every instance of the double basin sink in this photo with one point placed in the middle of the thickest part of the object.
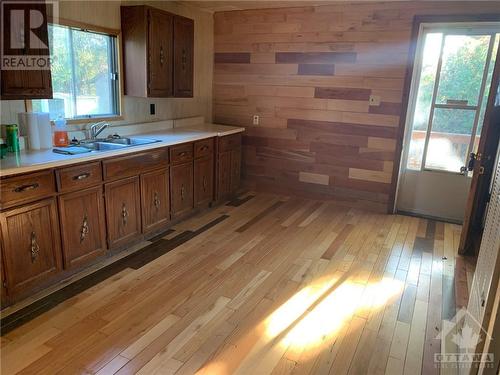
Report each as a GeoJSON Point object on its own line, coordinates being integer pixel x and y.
{"type": "Point", "coordinates": [108, 144]}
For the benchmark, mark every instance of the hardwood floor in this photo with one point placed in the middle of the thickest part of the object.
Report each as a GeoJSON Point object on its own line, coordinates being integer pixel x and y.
{"type": "Point", "coordinates": [278, 285]}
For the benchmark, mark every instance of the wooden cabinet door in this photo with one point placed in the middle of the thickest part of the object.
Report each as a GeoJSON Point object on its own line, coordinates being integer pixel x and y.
{"type": "Point", "coordinates": [123, 206]}
{"type": "Point", "coordinates": [25, 84]}
{"type": "Point", "coordinates": [224, 174]}
{"type": "Point", "coordinates": [235, 170]}
{"type": "Point", "coordinates": [203, 181]}
{"type": "Point", "coordinates": [181, 185]}
{"type": "Point", "coordinates": [31, 245]}
{"type": "Point", "coordinates": [82, 226]}
{"type": "Point", "coordinates": [155, 199]}
{"type": "Point", "coordinates": [160, 53]}
{"type": "Point", "coordinates": [183, 56]}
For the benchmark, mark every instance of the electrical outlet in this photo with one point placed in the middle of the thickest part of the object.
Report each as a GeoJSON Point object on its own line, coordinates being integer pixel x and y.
{"type": "Point", "coordinates": [152, 109]}
{"type": "Point", "coordinates": [374, 100]}
{"type": "Point", "coordinates": [256, 119]}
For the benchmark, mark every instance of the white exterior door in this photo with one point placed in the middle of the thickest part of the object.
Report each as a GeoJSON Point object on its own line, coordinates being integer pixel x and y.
{"type": "Point", "coordinates": [450, 84]}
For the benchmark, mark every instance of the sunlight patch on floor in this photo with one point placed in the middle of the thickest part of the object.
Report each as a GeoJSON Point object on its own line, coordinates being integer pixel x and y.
{"type": "Point", "coordinates": [304, 325]}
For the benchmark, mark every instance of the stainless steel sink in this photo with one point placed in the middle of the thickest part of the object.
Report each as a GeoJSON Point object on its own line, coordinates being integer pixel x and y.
{"type": "Point", "coordinates": [132, 141]}
{"type": "Point", "coordinates": [103, 146]}
{"type": "Point", "coordinates": [117, 143]}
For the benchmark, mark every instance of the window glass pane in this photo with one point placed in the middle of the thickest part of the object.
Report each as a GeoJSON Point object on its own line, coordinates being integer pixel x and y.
{"type": "Point", "coordinates": [449, 139]}
{"type": "Point", "coordinates": [464, 57]}
{"type": "Point", "coordinates": [430, 58]}
{"type": "Point", "coordinates": [92, 73]}
{"type": "Point", "coordinates": [486, 93]}
{"type": "Point", "coordinates": [83, 64]}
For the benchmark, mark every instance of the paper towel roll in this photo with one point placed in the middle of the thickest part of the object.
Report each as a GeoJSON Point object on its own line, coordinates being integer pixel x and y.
{"type": "Point", "coordinates": [45, 130]}
{"type": "Point", "coordinates": [28, 121]}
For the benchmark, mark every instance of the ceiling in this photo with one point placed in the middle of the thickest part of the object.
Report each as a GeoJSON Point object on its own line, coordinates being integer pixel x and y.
{"type": "Point", "coordinates": [221, 6]}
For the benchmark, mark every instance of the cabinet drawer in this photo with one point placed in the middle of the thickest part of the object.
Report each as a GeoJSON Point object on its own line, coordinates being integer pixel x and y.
{"type": "Point", "coordinates": [79, 177]}
{"type": "Point", "coordinates": [27, 188]}
{"type": "Point", "coordinates": [229, 142]}
{"type": "Point", "coordinates": [181, 153]}
{"type": "Point", "coordinates": [204, 148]}
{"type": "Point", "coordinates": [134, 164]}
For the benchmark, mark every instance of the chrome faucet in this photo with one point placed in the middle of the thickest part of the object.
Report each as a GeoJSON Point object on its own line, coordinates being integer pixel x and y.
{"type": "Point", "coordinates": [97, 128]}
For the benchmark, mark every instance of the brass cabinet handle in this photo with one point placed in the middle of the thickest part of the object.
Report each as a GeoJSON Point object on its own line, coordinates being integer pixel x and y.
{"type": "Point", "coordinates": [156, 200]}
{"type": "Point", "coordinates": [24, 188]}
{"type": "Point", "coordinates": [182, 192]}
{"type": "Point", "coordinates": [82, 176]}
{"type": "Point", "coordinates": [124, 214]}
{"type": "Point", "coordinates": [183, 153]}
{"type": "Point", "coordinates": [35, 248]}
{"type": "Point", "coordinates": [84, 230]}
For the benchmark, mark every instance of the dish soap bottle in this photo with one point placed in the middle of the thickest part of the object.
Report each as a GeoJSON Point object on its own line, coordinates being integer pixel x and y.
{"type": "Point", "coordinates": [60, 133]}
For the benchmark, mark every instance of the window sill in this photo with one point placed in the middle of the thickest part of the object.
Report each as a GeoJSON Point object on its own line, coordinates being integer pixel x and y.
{"type": "Point", "coordinates": [93, 119]}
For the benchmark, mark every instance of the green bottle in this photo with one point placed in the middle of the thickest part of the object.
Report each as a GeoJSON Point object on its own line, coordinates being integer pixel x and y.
{"type": "Point", "coordinates": [12, 135]}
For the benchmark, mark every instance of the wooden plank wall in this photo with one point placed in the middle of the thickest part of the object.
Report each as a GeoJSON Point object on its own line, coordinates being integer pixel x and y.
{"type": "Point", "coordinates": [309, 73]}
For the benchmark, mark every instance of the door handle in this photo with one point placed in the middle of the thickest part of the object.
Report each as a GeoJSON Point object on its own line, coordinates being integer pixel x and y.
{"type": "Point", "coordinates": [35, 248]}
{"type": "Point", "coordinates": [84, 229]}
{"type": "Point", "coordinates": [124, 214]}
{"type": "Point", "coordinates": [182, 192]}
{"type": "Point", "coordinates": [156, 200]}
{"type": "Point", "coordinates": [472, 159]}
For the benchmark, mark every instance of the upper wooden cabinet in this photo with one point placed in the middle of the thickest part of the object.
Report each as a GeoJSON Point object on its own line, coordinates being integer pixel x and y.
{"type": "Point", "coordinates": [25, 84]}
{"type": "Point", "coordinates": [183, 56]}
{"type": "Point", "coordinates": [157, 52]}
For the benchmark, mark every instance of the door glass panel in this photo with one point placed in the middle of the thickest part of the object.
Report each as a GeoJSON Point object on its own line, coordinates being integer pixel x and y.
{"type": "Point", "coordinates": [449, 139]}
{"type": "Point", "coordinates": [430, 58]}
{"type": "Point", "coordinates": [486, 93]}
{"type": "Point", "coordinates": [463, 61]}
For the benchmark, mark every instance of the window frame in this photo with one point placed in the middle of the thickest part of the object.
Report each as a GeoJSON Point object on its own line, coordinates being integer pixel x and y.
{"type": "Point", "coordinates": [119, 82]}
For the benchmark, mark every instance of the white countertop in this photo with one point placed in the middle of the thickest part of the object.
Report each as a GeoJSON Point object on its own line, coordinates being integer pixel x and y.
{"type": "Point", "coordinates": [31, 161]}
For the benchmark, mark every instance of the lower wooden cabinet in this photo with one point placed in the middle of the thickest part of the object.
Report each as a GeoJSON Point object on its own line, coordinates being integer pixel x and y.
{"type": "Point", "coordinates": [31, 246]}
{"type": "Point", "coordinates": [181, 185]}
{"type": "Point", "coordinates": [223, 174]}
{"type": "Point", "coordinates": [82, 226]}
{"type": "Point", "coordinates": [155, 200]}
{"type": "Point", "coordinates": [123, 211]}
{"type": "Point", "coordinates": [203, 181]}
{"type": "Point", "coordinates": [228, 173]}
{"type": "Point", "coordinates": [235, 170]}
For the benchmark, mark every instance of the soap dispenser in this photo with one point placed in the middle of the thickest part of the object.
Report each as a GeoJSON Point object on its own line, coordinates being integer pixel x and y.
{"type": "Point", "coordinates": [61, 138]}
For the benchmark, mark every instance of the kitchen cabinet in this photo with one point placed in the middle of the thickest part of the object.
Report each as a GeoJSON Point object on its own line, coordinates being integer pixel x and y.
{"type": "Point", "coordinates": [155, 199]}
{"type": "Point", "coordinates": [123, 211]}
{"type": "Point", "coordinates": [203, 172]}
{"type": "Point", "coordinates": [31, 246]}
{"type": "Point", "coordinates": [25, 84]}
{"type": "Point", "coordinates": [181, 184]}
{"type": "Point", "coordinates": [56, 221]}
{"type": "Point", "coordinates": [203, 181]}
{"type": "Point", "coordinates": [160, 53]}
{"type": "Point", "coordinates": [228, 171]}
{"type": "Point", "coordinates": [235, 170]}
{"type": "Point", "coordinates": [82, 226]}
{"type": "Point", "coordinates": [158, 49]}
{"type": "Point", "coordinates": [183, 57]}
{"type": "Point", "coordinates": [223, 174]}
